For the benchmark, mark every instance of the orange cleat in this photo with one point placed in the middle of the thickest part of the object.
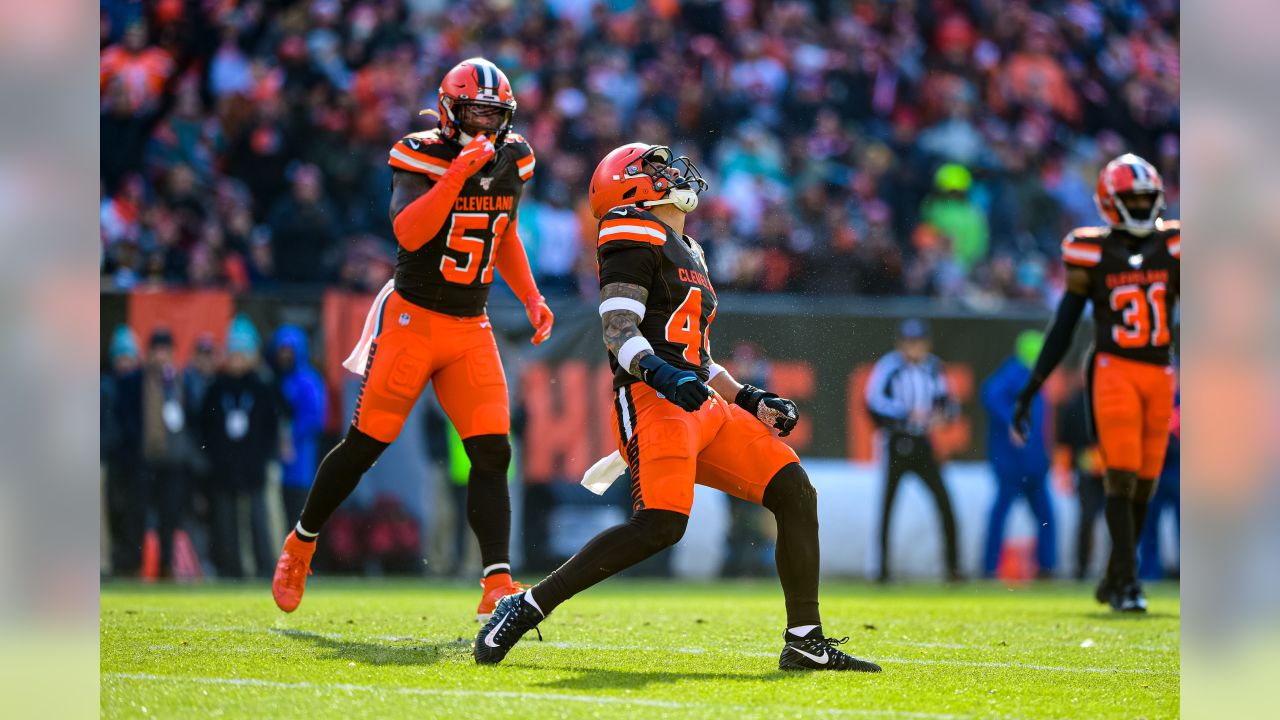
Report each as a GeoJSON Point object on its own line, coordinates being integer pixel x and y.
{"type": "Point", "coordinates": [291, 572]}
{"type": "Point", "coordinates": [496, 587]}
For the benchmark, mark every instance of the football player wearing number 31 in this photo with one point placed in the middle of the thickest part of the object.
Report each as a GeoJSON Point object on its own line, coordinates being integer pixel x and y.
{"type": "Point", "coordinates": [679, 418]}
{"type": "Point", "coordinates": [1130, 272]}
{"type": "Point", "coordinates": [455, 192]}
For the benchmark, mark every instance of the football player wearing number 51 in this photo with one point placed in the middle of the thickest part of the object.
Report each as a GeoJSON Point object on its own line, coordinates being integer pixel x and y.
{"type": "Point", "coordinates": [679, 418]}
{"type": "Point", "coordinates": [455, 193]}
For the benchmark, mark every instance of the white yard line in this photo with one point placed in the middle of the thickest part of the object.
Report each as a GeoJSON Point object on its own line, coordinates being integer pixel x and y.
{"type": "Point", "coordinates": [488, 694]}
{"type": "Point", "coordinates": [696, 650]}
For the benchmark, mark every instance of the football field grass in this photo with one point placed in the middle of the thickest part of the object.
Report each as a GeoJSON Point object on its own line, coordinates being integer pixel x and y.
{"type": "Point", "coordinates": [633, 649]}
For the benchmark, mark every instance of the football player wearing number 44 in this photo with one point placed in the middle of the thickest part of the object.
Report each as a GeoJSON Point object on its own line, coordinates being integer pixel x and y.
{"type": "Point", "coordinates": [455, 192]}
{"type": "Point", "coordinates": [679, 418]}
{"type": "Point", "coordinates": [1130, 272]}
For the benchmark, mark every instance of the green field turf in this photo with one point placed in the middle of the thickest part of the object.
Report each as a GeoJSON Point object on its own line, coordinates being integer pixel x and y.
{"type": "Point", "coordinates": [632, 650]}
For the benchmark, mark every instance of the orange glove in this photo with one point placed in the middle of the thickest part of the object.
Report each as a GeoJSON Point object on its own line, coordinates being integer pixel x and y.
{"type": "Point", "coordinates": [540, 317]}
{"type": "Point", "coordinates": [473, 157]}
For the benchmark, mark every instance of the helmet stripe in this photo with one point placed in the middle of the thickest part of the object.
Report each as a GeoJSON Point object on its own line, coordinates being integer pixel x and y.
{"type": "Point", "coordinates": [487, 76]}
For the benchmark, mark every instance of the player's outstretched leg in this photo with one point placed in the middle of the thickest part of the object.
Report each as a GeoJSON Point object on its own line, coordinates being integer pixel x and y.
{"type": "Point", "coordinates": [489, 515]}
{"type": "Point", "coordinates": [646, 533]}
{"type": "Point", "coordinates": [337, 476]}
{"type": "Point", "coordinates": [794, 502]}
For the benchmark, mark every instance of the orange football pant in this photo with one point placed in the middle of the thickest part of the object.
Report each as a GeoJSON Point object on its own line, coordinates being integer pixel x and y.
{"type": "Point", "coordinates": [669, 450]}
{"type": "Point", "coordinates": [1132, 406]}
{"type": "Point", "coordinates": [414, 346]}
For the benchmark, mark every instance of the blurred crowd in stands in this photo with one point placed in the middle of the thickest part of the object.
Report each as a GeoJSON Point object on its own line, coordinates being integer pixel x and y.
{"type": "Point", "coordinates": [873, 147]}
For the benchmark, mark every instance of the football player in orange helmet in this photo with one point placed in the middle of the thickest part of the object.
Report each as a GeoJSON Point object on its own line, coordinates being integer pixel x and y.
{"type": "Point", "coordinates": [455, 192]}
{"type": "Point", "coordinates": [1130, 272]}
{"type": "Point", "coordinates": [679, 418]}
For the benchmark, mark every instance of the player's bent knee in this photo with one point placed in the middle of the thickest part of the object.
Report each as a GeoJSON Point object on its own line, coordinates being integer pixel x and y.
{"type": "Point", "coordinates": [791, 491]}
{"type": "Point", "coordinates": [1120, 483]}
{"type": "Point", "coordinates": [489, 453]}
{"type": "Point", "coordinates": [358, 450]}
{"type": "Point", "coordinates": [660, 528]}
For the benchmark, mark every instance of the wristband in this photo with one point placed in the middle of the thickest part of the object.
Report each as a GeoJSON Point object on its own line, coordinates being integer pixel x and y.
{"type": "Point", "coordinates": [630, 349]}
{"type": "Point", "coordinates": [620, 303]}
{"type": "Point", "coordinates": [715, 369]}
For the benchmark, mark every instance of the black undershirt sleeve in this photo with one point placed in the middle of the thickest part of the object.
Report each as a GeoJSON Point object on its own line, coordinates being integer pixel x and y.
{"type": "Point", "coordinates": [1058, 341]}
{"type": "Point", "coordinates": [627, 262]}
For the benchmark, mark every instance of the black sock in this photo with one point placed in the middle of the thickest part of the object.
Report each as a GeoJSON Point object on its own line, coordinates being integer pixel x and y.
{"type": "Point", "coordinates": [488, 500]}
{"type": "Point", "coordinates": [1141, 501]}
{"type": "Point", "coordinates": [1121, 568]}
{"type": "Point", "coordinates": [794, 503]}
{"type": "Point", "coordinates": [609, 553]}
{"type": "Point", "coordinates": [337, 476]}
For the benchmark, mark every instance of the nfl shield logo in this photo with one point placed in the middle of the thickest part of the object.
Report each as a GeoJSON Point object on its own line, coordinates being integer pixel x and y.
{"type": "Point", "coordinates": [404, 319]}
{"type": "Point", "coordinates": [1135, 261]}
{"type": "Point", "coordinates": [486, 182]}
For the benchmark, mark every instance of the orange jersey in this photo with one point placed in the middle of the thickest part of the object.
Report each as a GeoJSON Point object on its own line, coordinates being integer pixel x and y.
{"type": "Point", "coordinates": [1133, 286]}
{"type": "Point", "coordinates": [452, 272]}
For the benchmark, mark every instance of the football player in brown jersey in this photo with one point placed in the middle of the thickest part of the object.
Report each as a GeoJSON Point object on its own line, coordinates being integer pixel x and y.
{"type": "Point", "coordinates": [455, 193]}
{"type": "Point", "coordinates": [680, 418]}
{"type": "Point", "coordinates": [1129, 271]}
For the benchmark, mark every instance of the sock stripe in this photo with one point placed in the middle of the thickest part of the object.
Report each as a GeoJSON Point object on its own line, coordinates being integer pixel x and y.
{"type": "Point", "coordinates": [303, 531]}
{"type": "Point", "coordinates": [496, 568]}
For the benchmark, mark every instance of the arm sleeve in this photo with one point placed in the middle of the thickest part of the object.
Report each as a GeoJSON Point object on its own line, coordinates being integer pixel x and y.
{"type": "Point", "coordinates": [513, 264]}
{"type": "Point", "coordinates": [1058, 340]}
{"type": "Point", "coordinates": [421, 219]}
{"type": "Point", "coordinates": [880, 401]}
{"type": "Point", "coordinates": [627, 262]}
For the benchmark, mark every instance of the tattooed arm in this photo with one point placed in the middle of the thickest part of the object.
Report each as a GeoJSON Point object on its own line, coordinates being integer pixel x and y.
{"type": "Point", "coordinates": [621, 325]}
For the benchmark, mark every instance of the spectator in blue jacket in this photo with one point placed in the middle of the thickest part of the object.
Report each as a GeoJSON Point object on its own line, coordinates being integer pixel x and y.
{"type": "Point", "coordinates": [1019, 469]}
{"type": "Point", "coordinates": [306, 403]}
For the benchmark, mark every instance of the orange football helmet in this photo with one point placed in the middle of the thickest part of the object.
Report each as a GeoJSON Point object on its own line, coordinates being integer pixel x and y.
{"type": "Point", "coordinates": [475, 97]}
{"type": "Point", "coordinates": [1130, 194]}
{"type": "Point", "coordinates": [644, 175]}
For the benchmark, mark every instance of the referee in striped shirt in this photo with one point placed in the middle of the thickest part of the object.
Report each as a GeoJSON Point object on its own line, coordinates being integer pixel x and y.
{"type": "Point", "coordinates": [907, 395]}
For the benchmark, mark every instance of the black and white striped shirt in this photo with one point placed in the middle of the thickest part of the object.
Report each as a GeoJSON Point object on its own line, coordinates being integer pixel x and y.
{"type": "Point", "coordinates": [898, 390]}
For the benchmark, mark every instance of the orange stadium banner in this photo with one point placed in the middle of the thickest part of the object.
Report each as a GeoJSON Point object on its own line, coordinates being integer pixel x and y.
{"type": "Point", "coordinates": [187, 314]}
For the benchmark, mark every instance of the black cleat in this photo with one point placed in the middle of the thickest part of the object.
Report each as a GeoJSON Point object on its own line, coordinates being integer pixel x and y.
{"type": "Point", "coordinates": [1136, 599]}
{"type": "Point", "coordinates": [1122, 599]}
{"type": "Point", "coordinates": [511, 619]}
{"type": "Point", "coordinates": [819, 653]}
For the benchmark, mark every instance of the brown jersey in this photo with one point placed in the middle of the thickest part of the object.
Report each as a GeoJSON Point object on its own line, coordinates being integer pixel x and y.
{"type": "Point", "coordinates": [635, 247]}
{"type": "Point", "coordinates": [452, 272]}
{"type": "Point", "coordinates": [1133, 286]}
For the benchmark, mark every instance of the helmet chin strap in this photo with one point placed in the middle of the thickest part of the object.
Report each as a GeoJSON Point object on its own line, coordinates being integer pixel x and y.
{"type": "Point", "coordinates": [684, 199]}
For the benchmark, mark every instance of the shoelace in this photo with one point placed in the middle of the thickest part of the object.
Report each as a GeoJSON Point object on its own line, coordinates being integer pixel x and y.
{"type": "Point", "coordinates": [502, 633]}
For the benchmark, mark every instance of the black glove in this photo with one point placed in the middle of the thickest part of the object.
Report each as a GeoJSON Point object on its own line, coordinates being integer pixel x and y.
{"type": "Point", "coordinates": [682, 387]}
{"type": "Point", "coordinates": [778, 413]}
{"type": "Point", "coordinates": [1022, 411]}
